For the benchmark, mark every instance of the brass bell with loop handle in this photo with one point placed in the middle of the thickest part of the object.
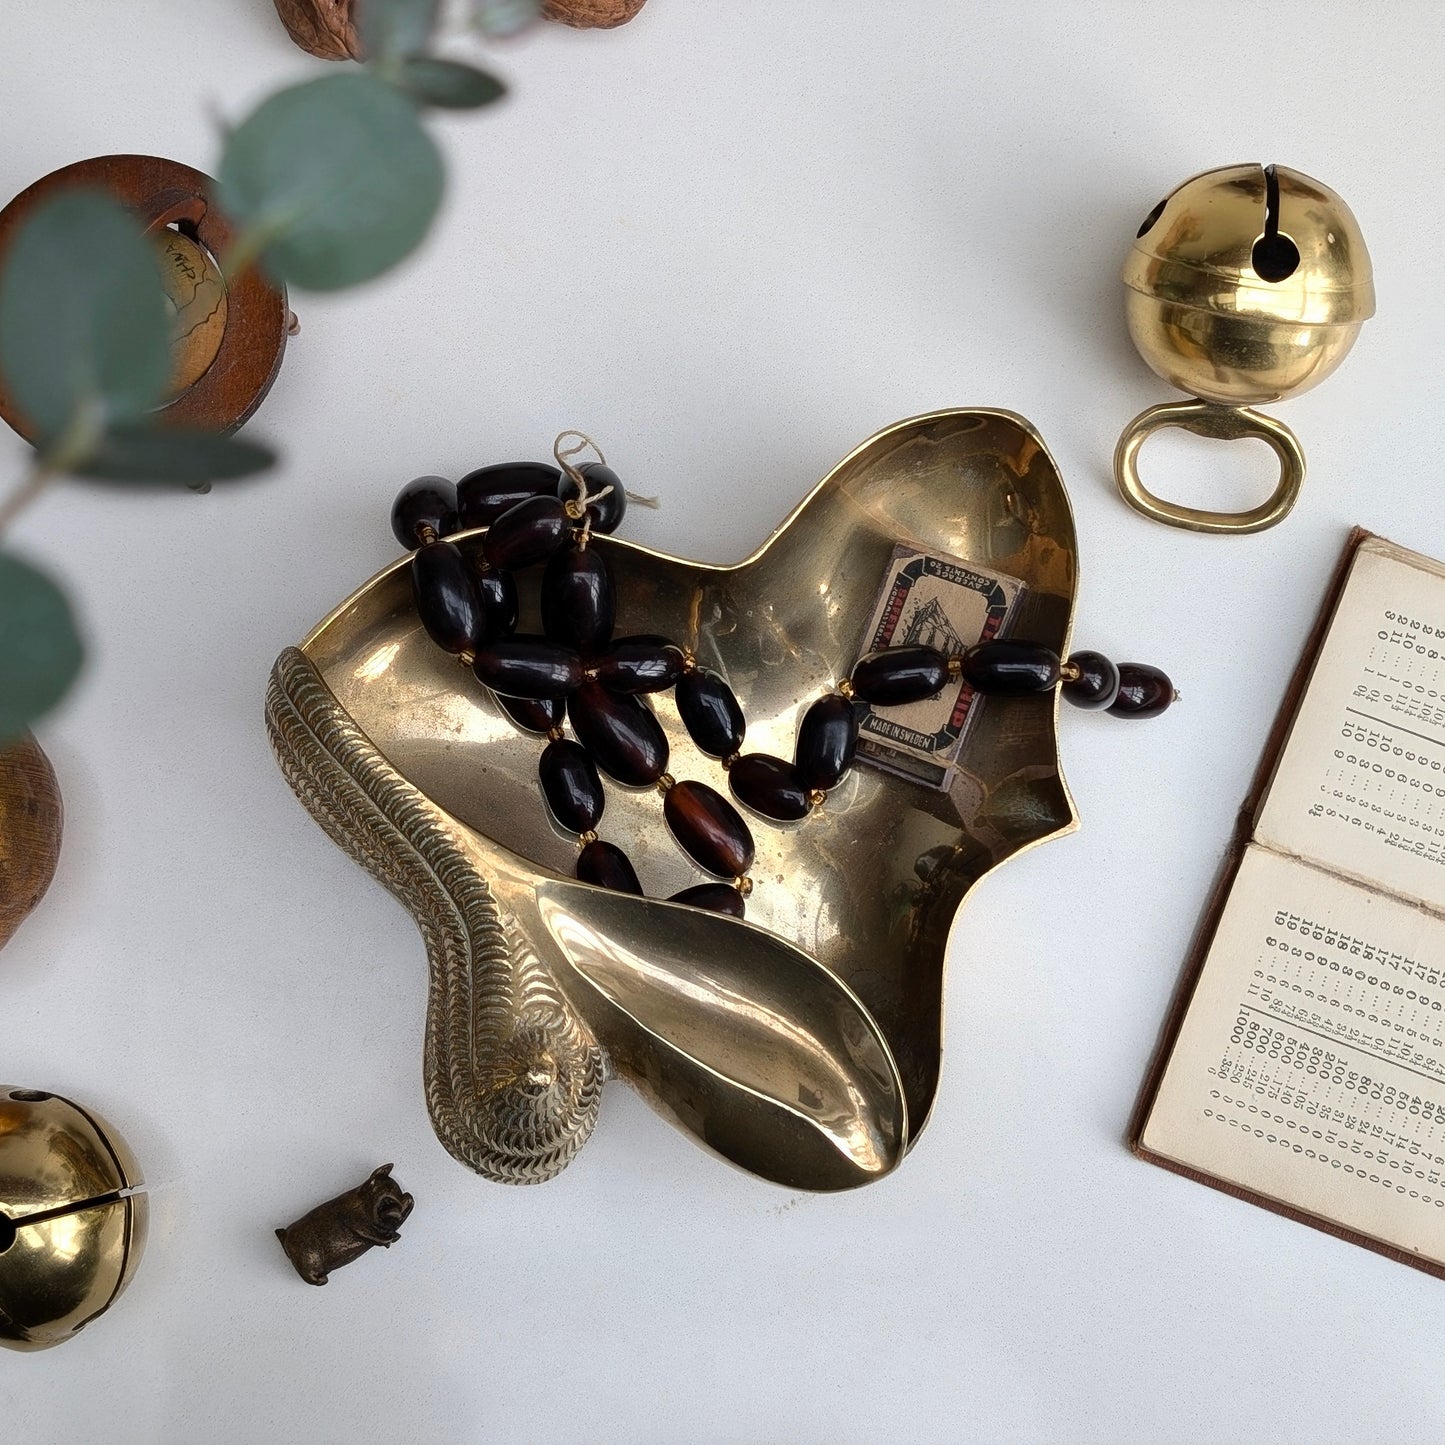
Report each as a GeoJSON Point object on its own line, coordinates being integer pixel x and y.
{"type": "Point", "coordinates": [1247, 284]}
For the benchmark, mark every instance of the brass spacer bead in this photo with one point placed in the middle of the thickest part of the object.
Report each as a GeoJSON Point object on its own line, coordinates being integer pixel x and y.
{"type": "Point", "coordinates": [689, 660]}
{"type": "Point", "coordinates": [583, 839]}
{"type": "Point", "coordinates": [666, 783]}
{"type": "Point", "coordinates": [555, 734]}
{"type": "Point", "coordinates": [816, 797]}
{"type": "Point", "coordinates": [575, 509]}
{"type": "Point", "coordinates": [728, 761]}
{"type": "Point", "coordinates": [427, 533]}
{"type": "Point", "coordinates": [744, 886]}
{"type": "Point", "coordinates": [955, 668]}
{"type": "Point", "coordinates": [845, 688]}
{"type": "Point", "coordinates": [1070, 672]}
{"type": "Point", "coordinates": [466, 657]}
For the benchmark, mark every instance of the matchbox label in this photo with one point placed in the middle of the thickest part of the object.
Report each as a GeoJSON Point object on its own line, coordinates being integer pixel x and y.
{"type": "Point", "coordinates": [934, 601]}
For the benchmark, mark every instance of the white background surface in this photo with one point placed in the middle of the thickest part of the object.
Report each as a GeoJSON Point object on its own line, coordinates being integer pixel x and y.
{"type": "Point", "coordinates": [731, 240]}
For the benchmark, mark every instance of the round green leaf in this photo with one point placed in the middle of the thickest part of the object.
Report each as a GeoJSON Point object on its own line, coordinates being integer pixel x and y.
{"type": "Point", "coordinates": [336, 177]}
{"type": "Point", "coordinates": [390, 28]}
{"type": "Point", "coordinates": [447, 83]}
{"type": "Point", "coordinates": [82, 314]}
{"type": "Point", "coordinates": [147, 455]}
{"type": "Point", "coordinates": [40, 652]}
{"type": "Point", "coordinates": [498, 19]}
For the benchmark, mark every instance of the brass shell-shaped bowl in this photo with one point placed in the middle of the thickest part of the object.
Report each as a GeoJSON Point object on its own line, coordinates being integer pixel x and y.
{"type": "Point", "coordinates": [1248, 284]}
{"type": "Point", "coordinates": [804, 1044]}
{"type": "Point", "coordinates": [71, 1229]}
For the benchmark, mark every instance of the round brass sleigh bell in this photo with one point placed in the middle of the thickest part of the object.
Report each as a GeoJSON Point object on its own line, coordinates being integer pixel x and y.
{"type": "Point", "coordinates": [72, 1217]}
{"type": "Point", "coordinates": [1247, 284]}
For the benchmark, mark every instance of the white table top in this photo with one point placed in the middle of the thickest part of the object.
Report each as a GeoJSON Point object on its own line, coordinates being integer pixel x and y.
{"type": "Point", "coordinates": [731, 241]}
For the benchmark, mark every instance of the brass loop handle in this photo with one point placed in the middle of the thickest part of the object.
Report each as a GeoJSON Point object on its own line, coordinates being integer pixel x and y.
{"type": "Point", "coordinates": [1223, 423]}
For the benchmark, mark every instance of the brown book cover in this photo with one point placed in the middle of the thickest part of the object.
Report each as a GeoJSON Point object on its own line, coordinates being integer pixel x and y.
{"type": "Point", "coordinates": [1244, 834]}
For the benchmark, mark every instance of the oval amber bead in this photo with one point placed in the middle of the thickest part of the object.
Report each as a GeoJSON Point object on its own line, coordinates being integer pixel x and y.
{"type": "Point", "coordinates": [425, 502]}
{"type": "Point", "coordinates": [1097, 684]}
{"type": "Point", "coordinates": [606, 866]}
{"type": "Point", "coordinates": [533, 714]}
{"type": "Point", "coordinates": [1010, 669]}
{"type": "Point", "coordinates": [530, 532]}
{"type": "Point", "coordinates": [640, 666]}
{"type": "Point", "coordinates": [498, 594]}
{"type": "Point", "coordinates": [769, 786]}
{"type": "Point", "coordinates": [1144, 691]}
{"type": "Point", "coordinates": [715, 897]}
{"type": "Point", "coordinates": [710, 712]}
{"type": "Point", "coordinates": [570, 785]}
{"type": "Point", "coordinates": [708, 829]}
{"type": "Point", "coordinates": [896, 675]}
{"type": "Point", "coordinates": [577, 600]}
{"type": "Point", "coordinates": [483, 495]}
{"type": "Point", "coordinates": [446, 596]}
{"type": "Point", "coordinates": [527, 667]}
{"type": "Point", "coordinates": [827, 740]}
{"type": "Point", "coordinates": [607, 512]}
{"type": "Point", "coordinates": [620, 732]}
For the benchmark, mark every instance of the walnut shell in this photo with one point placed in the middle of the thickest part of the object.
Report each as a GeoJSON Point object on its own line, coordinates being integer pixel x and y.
{"type": "Point", "coordinates": [30, 825]}
{"type": "Point", "coordinates": [591, 14]}
{"type": "Point", "coordinates": [325, 28]}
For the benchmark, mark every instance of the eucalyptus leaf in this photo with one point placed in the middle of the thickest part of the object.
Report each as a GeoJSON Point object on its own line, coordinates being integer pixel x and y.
{"type": "Point", "coordinates": [336, 178]}
{"type": "Point", "coordinates": [150, 457]}
{"type": "Point", "coordinates": [393, 28]}
{"type": "Point", "coordinates": [40, 652]}
{"type": "Point", "coordinates": [447, 83]}
{"type": "Point", "coordinates": [83, 325]}
{"type": "Point", "coordinates": [498, 19]}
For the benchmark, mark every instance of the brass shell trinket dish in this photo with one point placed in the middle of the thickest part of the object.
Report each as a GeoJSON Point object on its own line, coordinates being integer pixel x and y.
{"type": "Point", "coordinates": [1246, 285]}
{"type": "Point", "coordinates": [803, 1045]}
{"type": "Point", "coordinates": [72, 1218]}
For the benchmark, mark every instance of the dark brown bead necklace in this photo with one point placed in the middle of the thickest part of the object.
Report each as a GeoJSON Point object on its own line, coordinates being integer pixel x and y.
{"type": "Point", "coordinates": [536, 513]}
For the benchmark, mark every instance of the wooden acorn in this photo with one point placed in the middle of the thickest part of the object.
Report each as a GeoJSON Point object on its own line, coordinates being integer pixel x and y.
{"type": "Point", "coordinates": [1247, 284]}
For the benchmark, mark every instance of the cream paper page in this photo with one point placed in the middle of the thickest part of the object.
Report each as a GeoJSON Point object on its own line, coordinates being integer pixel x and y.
{"type": "Point", "coordinates": [1311, 1064]}
{"type": "Point", "coordinates": [1360, 785]}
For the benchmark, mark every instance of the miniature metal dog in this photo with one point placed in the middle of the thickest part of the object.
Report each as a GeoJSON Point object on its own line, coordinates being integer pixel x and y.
{"type": "Point", "coordinates": [344, 1228]}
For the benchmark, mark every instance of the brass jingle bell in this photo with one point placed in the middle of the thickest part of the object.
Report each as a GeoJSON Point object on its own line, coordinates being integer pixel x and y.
{"type": "Point", "coordinates": [1247, 284]}
{"type": "Point", "coordinates": [72, 1218]}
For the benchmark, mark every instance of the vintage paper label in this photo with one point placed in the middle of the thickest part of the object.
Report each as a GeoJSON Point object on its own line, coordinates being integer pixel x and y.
{"type": "Point", "coordinates": [931, 600]}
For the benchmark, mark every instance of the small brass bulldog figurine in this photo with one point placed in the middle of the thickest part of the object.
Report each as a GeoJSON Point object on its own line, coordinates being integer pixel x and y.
{"type": "Point", "coordinates": [343, 1229]}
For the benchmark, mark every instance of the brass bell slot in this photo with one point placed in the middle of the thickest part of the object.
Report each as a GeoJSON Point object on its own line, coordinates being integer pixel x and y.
{"type": "Point", "coordinates": [1274, 257]}
{"type": "Point", "coordinates": [1147, 224]}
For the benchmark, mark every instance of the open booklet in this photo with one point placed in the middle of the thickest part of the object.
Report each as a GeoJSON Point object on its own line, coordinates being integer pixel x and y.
{"type": "Point", "coordinates": [1304, 1064]}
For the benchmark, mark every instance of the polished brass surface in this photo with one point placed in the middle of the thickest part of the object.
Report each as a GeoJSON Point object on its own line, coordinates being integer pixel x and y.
{"type": "Point", "coordinates": [1223, 423]}
{"type": "Point", "coordinates": [72, 1225]}
{"type": "Point", "coordinates": [803, 1045]}
{"type": "Point", "coordinates": [1210, 323]}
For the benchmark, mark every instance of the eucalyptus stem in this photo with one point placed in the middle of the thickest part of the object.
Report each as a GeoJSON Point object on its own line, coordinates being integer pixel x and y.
{"type": "Point", "coordinates": [41, 476]}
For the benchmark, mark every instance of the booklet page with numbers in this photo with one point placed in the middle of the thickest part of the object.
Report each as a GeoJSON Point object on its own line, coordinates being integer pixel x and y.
{"type": "Point", "coordinates": [1304, 1067]}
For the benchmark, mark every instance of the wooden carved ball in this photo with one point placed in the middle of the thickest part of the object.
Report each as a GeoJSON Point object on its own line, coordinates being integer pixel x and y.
{"type": "Point", "coordinates": [30, 825]}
